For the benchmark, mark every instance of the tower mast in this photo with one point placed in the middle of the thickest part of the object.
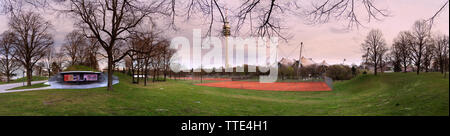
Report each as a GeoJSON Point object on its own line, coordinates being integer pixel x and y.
{"type": "Point", "coordinates": [226, 33]}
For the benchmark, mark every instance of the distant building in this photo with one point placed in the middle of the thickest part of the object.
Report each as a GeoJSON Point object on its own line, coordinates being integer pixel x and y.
{"type": "Point", "coordinates": [303, 63]}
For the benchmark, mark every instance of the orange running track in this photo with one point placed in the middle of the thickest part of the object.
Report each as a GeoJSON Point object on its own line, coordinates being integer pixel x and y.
{"type": "Point", "coordinates": [277, 86]}
{"type": "Point", "coordinates": [211, 79]}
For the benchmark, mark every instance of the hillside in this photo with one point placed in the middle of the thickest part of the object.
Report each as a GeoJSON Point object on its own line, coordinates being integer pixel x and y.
{"type": "Point", "coordinates": [394, 94]}
{"type": "Point", "coordinates": [387, 94]}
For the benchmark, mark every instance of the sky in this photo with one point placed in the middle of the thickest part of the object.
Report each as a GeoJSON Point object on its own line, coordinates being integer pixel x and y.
{"type": "Point", "coordinates": [330, 41]}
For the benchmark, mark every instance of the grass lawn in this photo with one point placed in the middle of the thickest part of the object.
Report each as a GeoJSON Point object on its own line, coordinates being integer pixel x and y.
{"type": "Point", "coordinates": [29, 87]}
{"type": "Point", "coordinates": [387, 94]}
{"type": "Point", "coordinates": [24, 79]}
{"type": "Point", "coordinates": [80, 68]}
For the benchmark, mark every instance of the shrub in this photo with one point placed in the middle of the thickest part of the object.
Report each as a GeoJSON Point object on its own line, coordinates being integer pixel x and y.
{"type": "Point", "coordinates": [309, 71]}
{"type": "Point", "coordinates": [339, 72]}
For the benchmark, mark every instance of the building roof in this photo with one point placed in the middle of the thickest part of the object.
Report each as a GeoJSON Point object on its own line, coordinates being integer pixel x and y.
{"type": "Point", "coordinates": [307, 62]}
{"type": "Point", "coordinates": [287, 61]}
{"type": "Point", "coordinates": [304, 61]}
{"type": "Point", "coordinates": [323, 63]}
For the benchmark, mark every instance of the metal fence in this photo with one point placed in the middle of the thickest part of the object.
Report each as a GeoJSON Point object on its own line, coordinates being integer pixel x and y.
{"type": "Point", "coordinates": [328, 81]}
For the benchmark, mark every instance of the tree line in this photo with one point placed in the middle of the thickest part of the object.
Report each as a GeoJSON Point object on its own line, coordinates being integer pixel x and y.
{"type": "Point", "coordinates": [417, 49]}
{"type": "Point", "coordinates": [153, 56]}
{"type": "Point", "coordinates": [28, 44]}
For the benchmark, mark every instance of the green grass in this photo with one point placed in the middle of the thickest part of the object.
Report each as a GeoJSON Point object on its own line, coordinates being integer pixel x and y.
{"type": "Point", "coordinates": [80, 68]}
{"type": "Point", "coordinates": [24, 79]}
{"type": "Point", "coordinates": [388, 94]}
{"type": "Point", "coordinates": [30, 87]}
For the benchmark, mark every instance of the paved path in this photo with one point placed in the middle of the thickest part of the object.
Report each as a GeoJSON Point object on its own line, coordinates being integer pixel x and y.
{"type": "Point", "coordinates": [4, 88]}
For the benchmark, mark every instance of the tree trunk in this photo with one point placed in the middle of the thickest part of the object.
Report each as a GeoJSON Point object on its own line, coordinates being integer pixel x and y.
{"type": "Point", "coordinates": [165, 73]}
{"type": "Point", "coordinates": [29, 76]}
{"type": "Point", "coordinates": [138, 71]}
{"type": "Point", "coordinates": [49, 73]}
{"type": "Point", "coordinates": [154, 75]}
{"type": "Point", "coordinates": [419, 58]}
{"type": "Point", "coordinates": [404, 66]}
{"type": "Point", "coordinates": [376, 68]}
{"type": "Point", "coordinates": [110, 70]}
{"type": "Point", "coordinates": [8, 77]}
{"type": "Point", "coordinates": [441, 64]}
{"type": "Point", "coordinates": [132, 71]}
{"type": "Point", "coordinates": [145, 73]}
{"type": "Point", "coordinates": [418, 67]}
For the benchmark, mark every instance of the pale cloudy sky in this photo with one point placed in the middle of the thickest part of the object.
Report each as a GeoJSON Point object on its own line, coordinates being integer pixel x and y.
{"type": "Point", "coordinates": [330, 41]}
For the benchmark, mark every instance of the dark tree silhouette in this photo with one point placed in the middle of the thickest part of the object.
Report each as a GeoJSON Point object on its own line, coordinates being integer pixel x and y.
{"type": "Point", "coordinates": [421, 34]}
{"type": "Point", "coordinates": [8, 65]}
{"type": "Point", "coordinates": [441, 45]}
{"type": "Point", "coordinates": [74, 47]}
{"type": "Point", "coordinates": [33, 39]}
{"type": "Point", "coordinates": [265, 17]}
{"type": "Point", "coordinates": [110, 22]}
{"type": "Point", "coordinates": [401, 47]}
{"type": "Point", "coordinates": [375, 46]}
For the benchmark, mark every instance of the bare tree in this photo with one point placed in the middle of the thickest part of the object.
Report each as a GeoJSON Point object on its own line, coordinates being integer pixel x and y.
{"type": "Point", "coordinates": [441, 43]}
{"type": "Point", "coordinates": [49, 59]}
{"type": "Point", "coordinates": [90, 53]}
{"type": "Point", "coordinates": [146, 43]}
{"type": "Point", "coordinates": [420, 33]}
{"type": "Point", "coordinates": [81, 50]}
{"type": "Point", "coordinates": [143, 41]}
{"type": "Point", "coordinates": [58, 62]}
{"type": "Point", "coordinates": [16, 6]}
{"type": "Point", "coordinates": [401, 47]}
{"type": "Point", "coordinates": [395, 57]}
{"type": "Point", "coordinates": [384, 57]}
{"type": "Point", "coordinates": [348, 10]}
{"type": "Point", "coordinates": [428, 55]}
{"type": "Point", "coordinates": [265, 18]}
{"type": "Point", "coordinates": [436, 14]}
{"type": "Point", "coordinates": [167, 55]}
{"type": "Point", "coordinates": [110, 22]}
{"type": "Point", "coordinates": [33, 39]}
{"type": "Point", "coordinates": [39, 68]}
{"type": "Point", "coordinates": [8, 65]}
{"type": "Point", "coordinates": [375, 46]}
{"type": "Point", "coordinates": [74, 45]}
{"type": "Point", "coordinates": [157, 60]}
